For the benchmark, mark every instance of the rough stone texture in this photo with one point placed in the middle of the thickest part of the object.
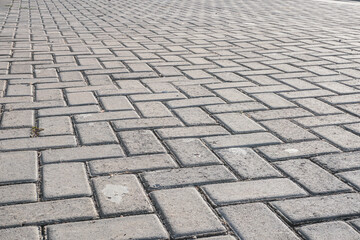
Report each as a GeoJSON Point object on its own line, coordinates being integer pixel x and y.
{"type": "Point", "coordinates": [257, 101]}
{"type": "Point", "coordinates": [329, 230]}
{"type": "Point", "coordinates": [192, 152]}
{"type": "Point", "coordinates": [256, 221]}
{"type": "Point", "coordinates": [18, 167]}
{"type": "Point", "coordinates": [312, 208]}
{"type": "Point", "coordinates": [186, 213]}
{"type": "Point", "coordinates": [47, 212]}
{"type": "Point", "coordinates": [247, 163]}
{"type": "Point", "coordinates": [187, 176]}
{"type": "Point", "coordinates": [81, 153]}
{"type": "Point", "coordinates": [256, 190]}
{"type": "Point", "coordinates": [120, 195]}
{"type": "Point", "coordinates": [65, 180]}
{"type": "Point", "coordinates": [132, 164]}
{"type": "Point", "coordinates": [312, 177]}
{"type": "Point", "coordinates": [29, 233]}
{"type": "Point", "coordinates": [140, 227]}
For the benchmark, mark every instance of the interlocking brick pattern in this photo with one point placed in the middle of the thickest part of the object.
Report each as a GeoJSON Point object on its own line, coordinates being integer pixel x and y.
{"type": "Point", "coordinates": [179, 119]}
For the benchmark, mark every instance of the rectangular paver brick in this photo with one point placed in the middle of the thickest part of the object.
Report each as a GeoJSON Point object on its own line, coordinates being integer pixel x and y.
{"type": "Point", "coordinates": [329, 230]}
{"type": "Point", "coordinates": [60, 125]}
{"type": "Point", "coordinates": [28, 233]}
{"type": "Point", "coordinates": [24, 118]}
{"type": "Point", "coordinates": [140, 227]}
{"type": "Point", "coordinates": [194, 116]}
{"type": "Point", "coordinates": [303, 210]}
{"type": "Point", "coordinates": [312, 177]}
{"type": "Point", "coordinates": [296, 150]}
{"type": "Point", "coordinates": [340, 161]}
{"type": "Point", "coordinates": [246, 163]}
{"type": "Point", "coordinates": [256, 190]}
{"type": "Point", "coordinates": [187, 176]}
{"type": "Point", "coordinates": [192, 152]}
{"type": "Point", "coordinates": [239, 123]}
{"type": "Point", "coordinates": [81, 153]}
{"type": "Point", "coordinates": [242, 140]}
{"type": "Point", "coordinates": [198, 131]}
{"type": "Point", "coordinates": [47, 212]}
{"type": "Point", "coordinates": [143, 123]}
{"type": "Point", "coordinates": [120, 195]}
{"type": "Point", "coordinates": [19, 193]}
{"type": "Point", "coordinates": [186, 212]}
{"type": "Point", "coordinates": [132, 164]}
{"type": "Point", "coordinates": [256, 221]}
{"type": "Point", "coordinates": [141, 142]}
{"type": "Point", "coordinates": [96, 133]}
{"type": "Point", "coordinates": [65, 180]}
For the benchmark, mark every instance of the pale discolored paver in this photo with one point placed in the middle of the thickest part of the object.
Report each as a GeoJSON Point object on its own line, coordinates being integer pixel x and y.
{"type": "Point", "coordinates": [151, 119]}
{"type": "Point", "coordinates": [120, 195]}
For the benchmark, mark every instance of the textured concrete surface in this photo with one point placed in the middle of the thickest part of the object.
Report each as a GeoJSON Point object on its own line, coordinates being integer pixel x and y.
{"type": "Point", "coordinates": [179, 119]}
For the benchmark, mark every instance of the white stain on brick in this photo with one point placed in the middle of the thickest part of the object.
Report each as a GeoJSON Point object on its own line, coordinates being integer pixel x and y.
{"type": "Point", "coordinates": [291, 150]}
{"type": "Point", "coordinates": [114, 193]}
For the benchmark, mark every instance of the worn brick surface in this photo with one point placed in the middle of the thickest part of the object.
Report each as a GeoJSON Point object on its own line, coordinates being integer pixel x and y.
{"type": "Point", "coordinates": [229, 104]}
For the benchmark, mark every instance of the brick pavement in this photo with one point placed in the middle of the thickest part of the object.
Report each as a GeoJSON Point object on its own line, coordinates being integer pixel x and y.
{"type": "Point", "coordinates": [179, 119]}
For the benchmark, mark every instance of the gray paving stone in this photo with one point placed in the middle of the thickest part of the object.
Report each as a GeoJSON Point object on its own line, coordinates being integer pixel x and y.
{"type": "Point", "coordinates": [317, 106]}
{"type": "Point", "coordinates": [340, 161]}
{"type": "Point", "coordinates": [65, 180]}
{"type": "Point", "coordinates": [310, 209]}
{"type": "Point", "coordinates": [96, 133]}
{"type": "Point", "coordinates": [118, 195]}
{"type": "Point", "coordinates": [245, 221]}
{"type": "Point", "coordinates": [19, 90]}
{"type": "Point", "coordinates": [116, 103]}
{"type": "Point", "coordinates": [339, 137]}
{"type": "Point", "coordinates": [47, 212]}
{"type": "Point", "coordinates": [192, 152]}
{"type": "Point", "coordinates": [68, 110]}
{"type": "Point", "coordinates": [186, 212]}
{"type": "Point", "coordinates": [318, 121]}
{"type": "Point", "coordinates": [194, 116]}
{"type": "Point", "coordinates": [132, 164]}
{"type": "Point", "coordinates": [194, 102]}
{"type": "Point", "coordinates": [146, 123]}
{"type": "Point", "coordinates": [60, 125]}
{"type": "Point", "coordinates": [312, 177]}
{"type": "Point", "coordinates": [226, 237]}
{"type": "Point", "coordinates": [246, 163]}
{"type": "Point", "coordinates": [37, 143]}
{"type": "Point", "coordinates": [157, 97]}
{"type": "Point", "coordinates": [81, 98]}
{"type": "Point", "coordinates": [23, 118]}
{"type": "Point", "coordinates": [187, 176]}
{"type": "Point", "coordinates": [239, 123]}
{"type": "Point", "coordinates": [353, 177]}
{"type": "Point", "coordinates": [297, 150]}
{"type": "Point", "coordinates": [29, 233]}
{"type": "Point", "coordinates": [232, 95]}
{"type": "Point", "coordinates": [18, 167]}
{"type": "Point", "coordinates": [49, 95]}
{"type": "Point", "coordinates": [329, 230]}
{"type": "Point", "coordinates": [280, 114]}
{"type": "Point", "coordinates": [242, 140]}
{"type": "Point", "coordinates": [19, 193]}
{"type": "Point", "coordinates": [105, 116]}
{"type": "Point", "coordinates": [235, 107]}
{"type": "Point", "coordinates": [141, 142]}
{"type": "Point", "coordinates": [273, 101]}
{"type": "Point", "coordinates": [196, 91]}
{"type": "Point", "coordinates": [153, 109]}
{"type": "Point", "coordinates": [81, 153]}
{"type": "Point", "coordinates": [197, 131]}
{"type": "Point", "coordinates": [343, 99]}
{"type": "Point", "coordinates": [147, 227]}
{"type": "Point", "coordinates": [255, 190]}
{"type": "Point", "coordinates": [288, 131]}
{"type": "Point", "coordinates": [15, 133]}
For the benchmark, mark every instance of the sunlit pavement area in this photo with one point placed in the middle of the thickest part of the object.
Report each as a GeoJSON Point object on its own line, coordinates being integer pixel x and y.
{"type": "Point", "coordinates": [179, 119]}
